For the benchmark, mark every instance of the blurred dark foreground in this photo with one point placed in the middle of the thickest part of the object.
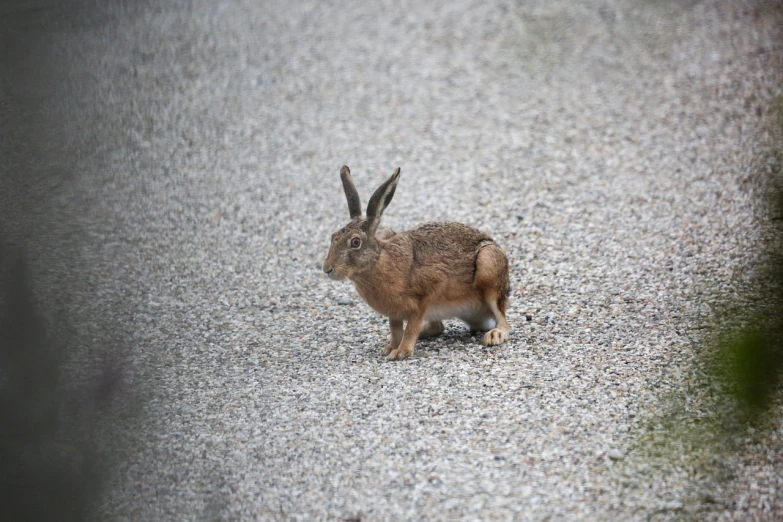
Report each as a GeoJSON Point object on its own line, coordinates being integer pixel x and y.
{"type": "Point", "coordinates": [62, 422]}
{"type": "Point", "coordinates": [51, 416]}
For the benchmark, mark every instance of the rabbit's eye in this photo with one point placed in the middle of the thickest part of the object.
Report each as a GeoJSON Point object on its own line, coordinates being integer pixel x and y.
{"type": "Point", "coordinates": [356, 242]}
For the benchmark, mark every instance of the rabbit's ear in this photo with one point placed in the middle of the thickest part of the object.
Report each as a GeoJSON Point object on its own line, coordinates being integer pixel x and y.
{"type": "Point", "coordinates": [380, 200]}
{"type": "Point", "coordinates": [351, 194]}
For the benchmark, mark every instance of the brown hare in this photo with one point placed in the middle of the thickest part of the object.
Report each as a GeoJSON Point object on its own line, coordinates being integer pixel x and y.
{"type": "Point", "coordinates": [433, 272]}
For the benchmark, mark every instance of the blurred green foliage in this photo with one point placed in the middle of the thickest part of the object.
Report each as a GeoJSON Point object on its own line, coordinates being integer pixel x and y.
{"type": "Point", "coordinates": [749, 358]}
{"type": "Point", "coordinates": [748, 363]}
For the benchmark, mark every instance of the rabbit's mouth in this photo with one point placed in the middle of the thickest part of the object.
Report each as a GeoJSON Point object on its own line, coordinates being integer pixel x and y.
{"type": "Point", "coordinates": [337, 276]}
{"type": "Point", "coordinates": [332, 273]}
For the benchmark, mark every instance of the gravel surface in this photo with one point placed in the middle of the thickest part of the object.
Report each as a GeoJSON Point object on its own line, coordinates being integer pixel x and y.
{"type": "Point", "coordinates": [607, 146]}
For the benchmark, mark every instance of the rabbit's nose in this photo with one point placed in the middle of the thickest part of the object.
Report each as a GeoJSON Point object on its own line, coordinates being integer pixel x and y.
{"type": "Point", "coordinates": [328, 270]}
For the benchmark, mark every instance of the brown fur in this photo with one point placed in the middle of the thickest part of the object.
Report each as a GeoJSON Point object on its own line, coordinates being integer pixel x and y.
{"type": "Point", "coordinates": [432, 272]}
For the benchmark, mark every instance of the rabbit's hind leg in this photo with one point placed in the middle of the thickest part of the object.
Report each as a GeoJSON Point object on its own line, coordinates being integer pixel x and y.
{"type": "Point", "coordinates": [432, 329]}
{"type": "Point", "coordinates": [499, 334]}
{"type": "Point", "coordinates": [492, 279]}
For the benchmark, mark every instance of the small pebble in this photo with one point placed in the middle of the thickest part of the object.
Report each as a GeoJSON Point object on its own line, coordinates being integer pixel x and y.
{"type": "Point", "coordinates": [614, 454]}
{"type": "Point", "coordinates": [343, 301]}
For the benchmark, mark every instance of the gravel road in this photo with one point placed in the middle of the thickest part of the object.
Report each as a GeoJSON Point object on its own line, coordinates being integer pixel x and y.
{"type": "Point", "coordinates": [607, 146]}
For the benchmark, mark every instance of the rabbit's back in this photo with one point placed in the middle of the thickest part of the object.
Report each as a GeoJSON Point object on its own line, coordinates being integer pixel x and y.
{"type": "Point", "coordinates": [441, 252]}
{"type": "Point", "coordinates": [446, 242]}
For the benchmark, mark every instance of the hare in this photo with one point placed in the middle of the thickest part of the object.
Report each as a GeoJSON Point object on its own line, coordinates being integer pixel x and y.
{"type": "Point", "coordinates": [433, 272]}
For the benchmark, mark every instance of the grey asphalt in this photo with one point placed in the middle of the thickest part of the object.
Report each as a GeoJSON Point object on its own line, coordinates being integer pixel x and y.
{"type": "Point", "coordinates": [607, 146]}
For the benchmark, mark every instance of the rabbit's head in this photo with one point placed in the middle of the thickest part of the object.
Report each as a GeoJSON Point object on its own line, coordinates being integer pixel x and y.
{"type": "Point", "coordinates": [355, 247]}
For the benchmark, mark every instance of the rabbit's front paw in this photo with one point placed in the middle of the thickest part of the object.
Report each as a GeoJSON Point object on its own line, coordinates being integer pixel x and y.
{"type": "Point", "coordinates": [399, 354]}
{"type": "Point", "coordinates": [386, 350]}
{"type": "Point", "coordinates": [495, 336]}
